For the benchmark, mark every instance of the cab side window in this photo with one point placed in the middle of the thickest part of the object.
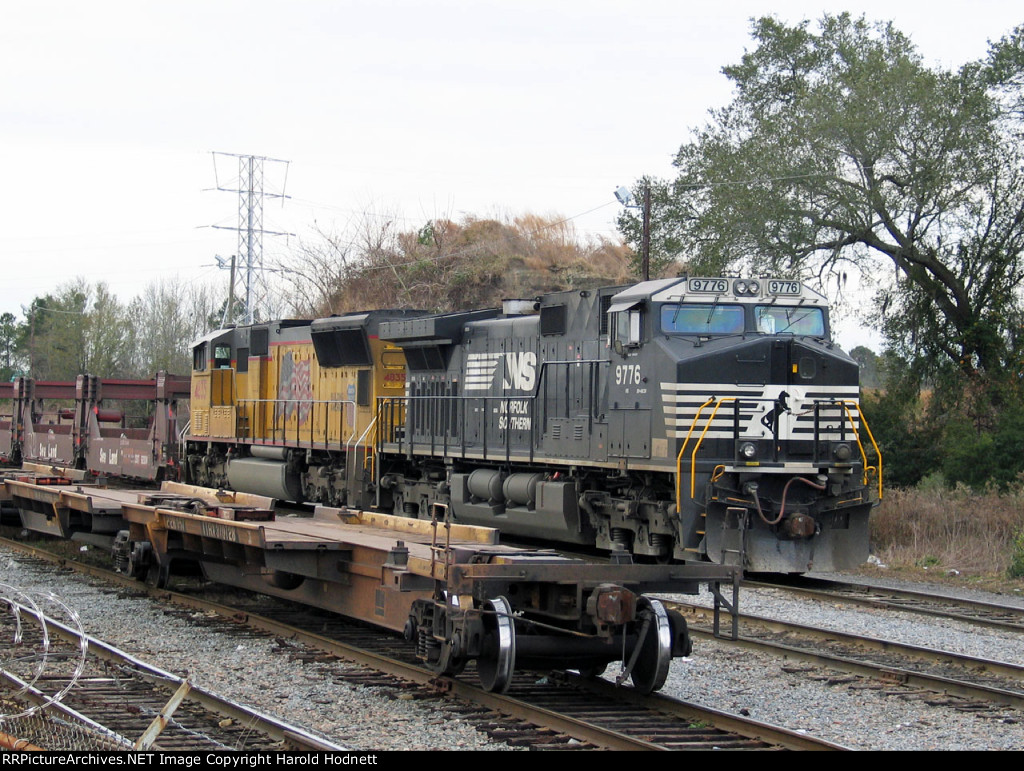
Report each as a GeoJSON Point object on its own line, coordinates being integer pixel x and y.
{"type": "Point", "coordinates": [222, 356]}
{"type": "Point", "coordinates": [627, 328]}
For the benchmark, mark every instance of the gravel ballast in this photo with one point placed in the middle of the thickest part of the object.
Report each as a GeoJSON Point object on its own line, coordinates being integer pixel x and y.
{"type": "Point", "coordinates": [855, 712]}
{"type": "Point", "coordinates": [253, 672]}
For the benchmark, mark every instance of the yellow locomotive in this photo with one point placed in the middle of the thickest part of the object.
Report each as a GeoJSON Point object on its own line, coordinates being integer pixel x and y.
{"type": "Point", "coordinates": [286, 409]}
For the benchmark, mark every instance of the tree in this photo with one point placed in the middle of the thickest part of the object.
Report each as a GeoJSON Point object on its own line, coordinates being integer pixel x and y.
{"type": "Point", "coordinates": [315, 272]}
{"type": "Point", "coordinates": [9, 359]}
{"type": "Point", "coordinates": [54, 340]}
{"type": "Point", "coordinates": [909, 429]}
{"type": "Point", "coordinates": [79, 329]}
{"type": "Point", "coordinates": [107, 338]}
{"type": "Point", "coordinates": [840, 146]}
{"type": "Point", "coordinates": [868, 361]}
{"type": "Point", "coordinates": [172, 315]}
{"type": "Point", "coordinates": [667, 248]}
{"type": "Point", "coordinates": [1004, 72]}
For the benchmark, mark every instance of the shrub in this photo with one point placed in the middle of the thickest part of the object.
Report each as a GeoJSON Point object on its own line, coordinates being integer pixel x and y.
{"type": "Point", "coordinates": [977, 532]}
{"type": "Point", "coordinates": [1016, 569]}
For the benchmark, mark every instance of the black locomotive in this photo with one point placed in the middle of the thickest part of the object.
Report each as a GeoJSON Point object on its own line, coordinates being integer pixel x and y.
{"type": "Point", "coordinates": [688, 419]}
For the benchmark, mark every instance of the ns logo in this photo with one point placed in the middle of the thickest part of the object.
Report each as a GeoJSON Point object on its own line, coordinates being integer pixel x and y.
{"type": "Point", "coordinates": [520, 371]}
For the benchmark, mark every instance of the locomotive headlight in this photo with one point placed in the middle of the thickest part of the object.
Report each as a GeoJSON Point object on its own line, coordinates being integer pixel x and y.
{"type": "Point", "coordinates": [748, 450]}
{"type": "Point", "coordinates": [742, 287]}
{"type": "Point", "coordinates": [842, 452]}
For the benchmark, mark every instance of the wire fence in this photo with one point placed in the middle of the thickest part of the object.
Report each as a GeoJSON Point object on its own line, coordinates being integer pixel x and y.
{"type": "Point", "coordinates": [38, 669]}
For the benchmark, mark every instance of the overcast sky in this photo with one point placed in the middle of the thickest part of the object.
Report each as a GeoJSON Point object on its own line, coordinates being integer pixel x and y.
{"type": "Point", "coordinates": [110, 112]}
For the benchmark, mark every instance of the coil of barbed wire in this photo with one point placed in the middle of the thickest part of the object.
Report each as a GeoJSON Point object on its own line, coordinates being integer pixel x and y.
{"type": "Point", "coordinates": [27, 650]}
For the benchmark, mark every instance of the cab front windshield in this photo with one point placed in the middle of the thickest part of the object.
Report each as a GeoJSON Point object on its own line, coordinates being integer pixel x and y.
{"type": "Point", "coordinates": [725, 319]}
{"type": "Point", "coordinates": [790, 320]}
{"type": "Point", "coordinates": [701, 319]}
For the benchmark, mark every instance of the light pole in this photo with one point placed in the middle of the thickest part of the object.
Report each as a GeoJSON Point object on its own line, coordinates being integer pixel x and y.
{"type": "Point", "coordinates": [626, 199]}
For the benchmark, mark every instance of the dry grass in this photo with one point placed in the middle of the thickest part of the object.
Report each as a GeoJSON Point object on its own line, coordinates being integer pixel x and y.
{"type": "Point", "coordinates": [941, 531]}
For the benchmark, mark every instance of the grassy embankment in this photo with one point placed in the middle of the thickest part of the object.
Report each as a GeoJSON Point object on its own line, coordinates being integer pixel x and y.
{"type": "Point", "coordinates": [932, 532]}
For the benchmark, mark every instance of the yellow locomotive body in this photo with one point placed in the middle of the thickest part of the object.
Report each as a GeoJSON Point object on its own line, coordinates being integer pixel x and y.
{"type": "Point", "coordinates": [287, 408]}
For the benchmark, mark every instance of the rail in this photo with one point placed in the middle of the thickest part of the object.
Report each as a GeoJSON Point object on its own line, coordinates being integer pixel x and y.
{"type": "Point", "coordinates": [739, 404]}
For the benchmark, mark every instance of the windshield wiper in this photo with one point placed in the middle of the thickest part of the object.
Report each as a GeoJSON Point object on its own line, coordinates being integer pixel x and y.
{"type": "Point", "coordinates": [712, 312]}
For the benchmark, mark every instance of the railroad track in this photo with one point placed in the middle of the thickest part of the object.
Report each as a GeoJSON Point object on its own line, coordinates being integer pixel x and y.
{"type": "Point", "coordinates": [539, 711]}
{"type": "Point", "coordinates": [987, 614]}
{"type": "Point", "coordinates": [975, 682]}
{"type": "Point", "coordinates": [63, 690]}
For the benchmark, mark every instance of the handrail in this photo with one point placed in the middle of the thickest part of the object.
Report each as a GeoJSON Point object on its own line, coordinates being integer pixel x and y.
{"type": "Point", "coordinates": [359, 441]}
{"type": "Point", "coordinates": [679, 458]}
{"type": "Point", "coordinates": [280, 421]}
{"type": "Point", "coordinates": [537, 406]}
{"type": "Point", "coordinates": [700, 441]}
{"type": "Point", "coordinates": [871, 436]}
{"type": "Point", "coordinates": [181, 439]}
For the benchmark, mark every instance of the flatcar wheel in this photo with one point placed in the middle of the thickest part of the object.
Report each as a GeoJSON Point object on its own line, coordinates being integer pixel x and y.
{"type": "Point", "coordinates": [449, 663]}
{"type": "Point", "coordinates": [497, 662]}
{"type": "Point", "coordinates": [652, 663]}
{"type": "Point", "coordinates": [140, 559]}
{"type": "Point", "coordinates": [592, 672]}
{"type": "Point", "coordinates": [158, 575]}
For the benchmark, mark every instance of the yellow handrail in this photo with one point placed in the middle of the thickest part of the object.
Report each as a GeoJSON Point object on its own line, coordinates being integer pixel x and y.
{"type": "Point", "coordinates": [860, 445]}
{"type": "Point", "coordinates": [679, 458]}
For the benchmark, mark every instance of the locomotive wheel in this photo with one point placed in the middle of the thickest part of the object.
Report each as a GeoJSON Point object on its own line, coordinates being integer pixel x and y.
{"type": "Point", "coordinates": [497, 662]}
{"type": "Point", "coordinates": [655, 655]}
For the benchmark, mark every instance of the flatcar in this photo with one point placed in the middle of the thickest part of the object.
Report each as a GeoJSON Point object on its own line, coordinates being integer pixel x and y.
{"type": "Point", "coordinates": [453, 591]}
{"type": "Point", "coordinates": [118, 428]}
{"type": "Point", "coordinates": [692, 419]}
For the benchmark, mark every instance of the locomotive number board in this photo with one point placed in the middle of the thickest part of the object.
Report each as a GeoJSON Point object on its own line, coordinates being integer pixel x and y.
{"type": "Point", "coordinates": [778, 286]}
{"type": "Point", "coordinates": [709, 285]}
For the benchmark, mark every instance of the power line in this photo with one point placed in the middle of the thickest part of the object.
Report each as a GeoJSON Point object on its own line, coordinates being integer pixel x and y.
{"type": "Point", "coordinates": [762, 180]}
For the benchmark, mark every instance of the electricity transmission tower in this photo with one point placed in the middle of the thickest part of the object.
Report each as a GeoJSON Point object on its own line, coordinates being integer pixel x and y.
{"type": "Point", "coordinates": [250, 223]}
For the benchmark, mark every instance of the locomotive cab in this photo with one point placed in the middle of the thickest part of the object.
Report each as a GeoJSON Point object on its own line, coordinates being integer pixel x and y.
{"type": "Point", "coordinates": [775, 470]}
